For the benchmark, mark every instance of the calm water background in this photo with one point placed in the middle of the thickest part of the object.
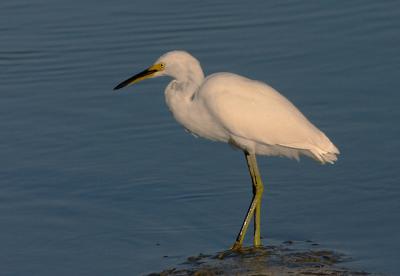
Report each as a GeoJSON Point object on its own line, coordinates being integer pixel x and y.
{"type": "Point", "coordinates": [94, 182]}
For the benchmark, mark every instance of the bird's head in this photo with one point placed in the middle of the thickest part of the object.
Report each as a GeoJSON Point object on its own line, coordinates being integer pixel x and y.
{"type": "Point", "coordinates": [179, 65]}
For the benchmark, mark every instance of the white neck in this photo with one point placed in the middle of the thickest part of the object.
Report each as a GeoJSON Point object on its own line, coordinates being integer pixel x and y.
{"type": "Point", "coordinates": [186, 81]}
{"type": "Point", "coordinates": [181, 92]}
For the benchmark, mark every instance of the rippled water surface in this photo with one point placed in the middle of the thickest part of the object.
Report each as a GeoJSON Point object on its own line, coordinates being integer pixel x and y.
{"type": "Point", "coordinates": [94, 182]}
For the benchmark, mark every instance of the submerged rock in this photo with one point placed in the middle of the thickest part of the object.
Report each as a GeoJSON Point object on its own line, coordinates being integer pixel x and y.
{"type": "Point", "coordinates": [268, 260]}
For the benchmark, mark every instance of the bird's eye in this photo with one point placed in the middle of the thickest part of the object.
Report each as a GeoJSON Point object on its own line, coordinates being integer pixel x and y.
{"type": "Point", "coordinates": [162, 65]}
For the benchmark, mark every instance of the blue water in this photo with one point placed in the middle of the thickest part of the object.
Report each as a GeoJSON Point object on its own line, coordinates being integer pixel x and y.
{"type": "Point", "coordinates": [94, 182]}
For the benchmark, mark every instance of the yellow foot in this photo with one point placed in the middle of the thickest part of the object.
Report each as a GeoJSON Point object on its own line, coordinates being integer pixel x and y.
{"type": "Point", "coordinates": [236, 247]}
{"type": "Point", "coordinates": [257, 244]}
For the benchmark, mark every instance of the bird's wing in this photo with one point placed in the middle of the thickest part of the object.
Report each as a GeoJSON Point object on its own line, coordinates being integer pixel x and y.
{"type": "Point", "coordinates": [253, 110]}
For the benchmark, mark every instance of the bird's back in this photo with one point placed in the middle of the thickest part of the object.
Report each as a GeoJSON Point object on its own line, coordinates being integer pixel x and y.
{"type": "Point", "coordinates": [259, 119]}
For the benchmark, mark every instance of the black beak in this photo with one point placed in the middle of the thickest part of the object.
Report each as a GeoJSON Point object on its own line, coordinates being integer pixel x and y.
{"type": "Point", "coordinates": [138, 77]}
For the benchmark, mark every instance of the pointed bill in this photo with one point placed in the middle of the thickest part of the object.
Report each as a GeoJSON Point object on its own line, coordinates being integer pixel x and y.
{"type": "Point", "coordinates": [148, 73]}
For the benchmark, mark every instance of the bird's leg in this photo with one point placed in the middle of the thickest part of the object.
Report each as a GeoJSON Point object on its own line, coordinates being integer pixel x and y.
{"type": "Point", "coordinates": [258, 189]}
{"type": "Point", "coordinates": [255, 204]}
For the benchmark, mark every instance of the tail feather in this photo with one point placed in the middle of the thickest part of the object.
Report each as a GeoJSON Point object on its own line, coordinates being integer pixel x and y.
{"type": "Point", "coordinates": [324, 156]}
{"type": "Point", "coordinates": [322, 150]}
{"type": "Point", "coordinates": [327, 154]}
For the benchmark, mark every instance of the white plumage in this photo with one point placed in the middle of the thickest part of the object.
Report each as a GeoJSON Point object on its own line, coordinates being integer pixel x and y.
{"type": "Point", "coordinates": [248, 114]}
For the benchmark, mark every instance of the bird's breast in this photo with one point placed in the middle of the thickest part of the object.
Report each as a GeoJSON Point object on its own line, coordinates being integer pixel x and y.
{"type": "Point", "coordinates": [192, 115]}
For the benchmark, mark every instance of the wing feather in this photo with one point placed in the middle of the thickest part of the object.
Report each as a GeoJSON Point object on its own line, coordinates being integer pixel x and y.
{"type": "Point", "coordinates": [255, 111]}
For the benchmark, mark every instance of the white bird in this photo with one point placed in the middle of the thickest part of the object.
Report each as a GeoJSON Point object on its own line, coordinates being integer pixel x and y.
{"type": "Point", "coordinates": [248, 114]}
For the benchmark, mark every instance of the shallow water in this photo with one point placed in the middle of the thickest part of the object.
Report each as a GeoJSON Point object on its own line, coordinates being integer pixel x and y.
{"type": "Point", "coordinates": [94, 182]}
{"type": "Point", "coordinates": [289, 258]}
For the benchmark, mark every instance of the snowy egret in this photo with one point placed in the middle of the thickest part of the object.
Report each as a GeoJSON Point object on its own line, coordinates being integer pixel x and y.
{"type": "Point", "coordinates": [248, 114]}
